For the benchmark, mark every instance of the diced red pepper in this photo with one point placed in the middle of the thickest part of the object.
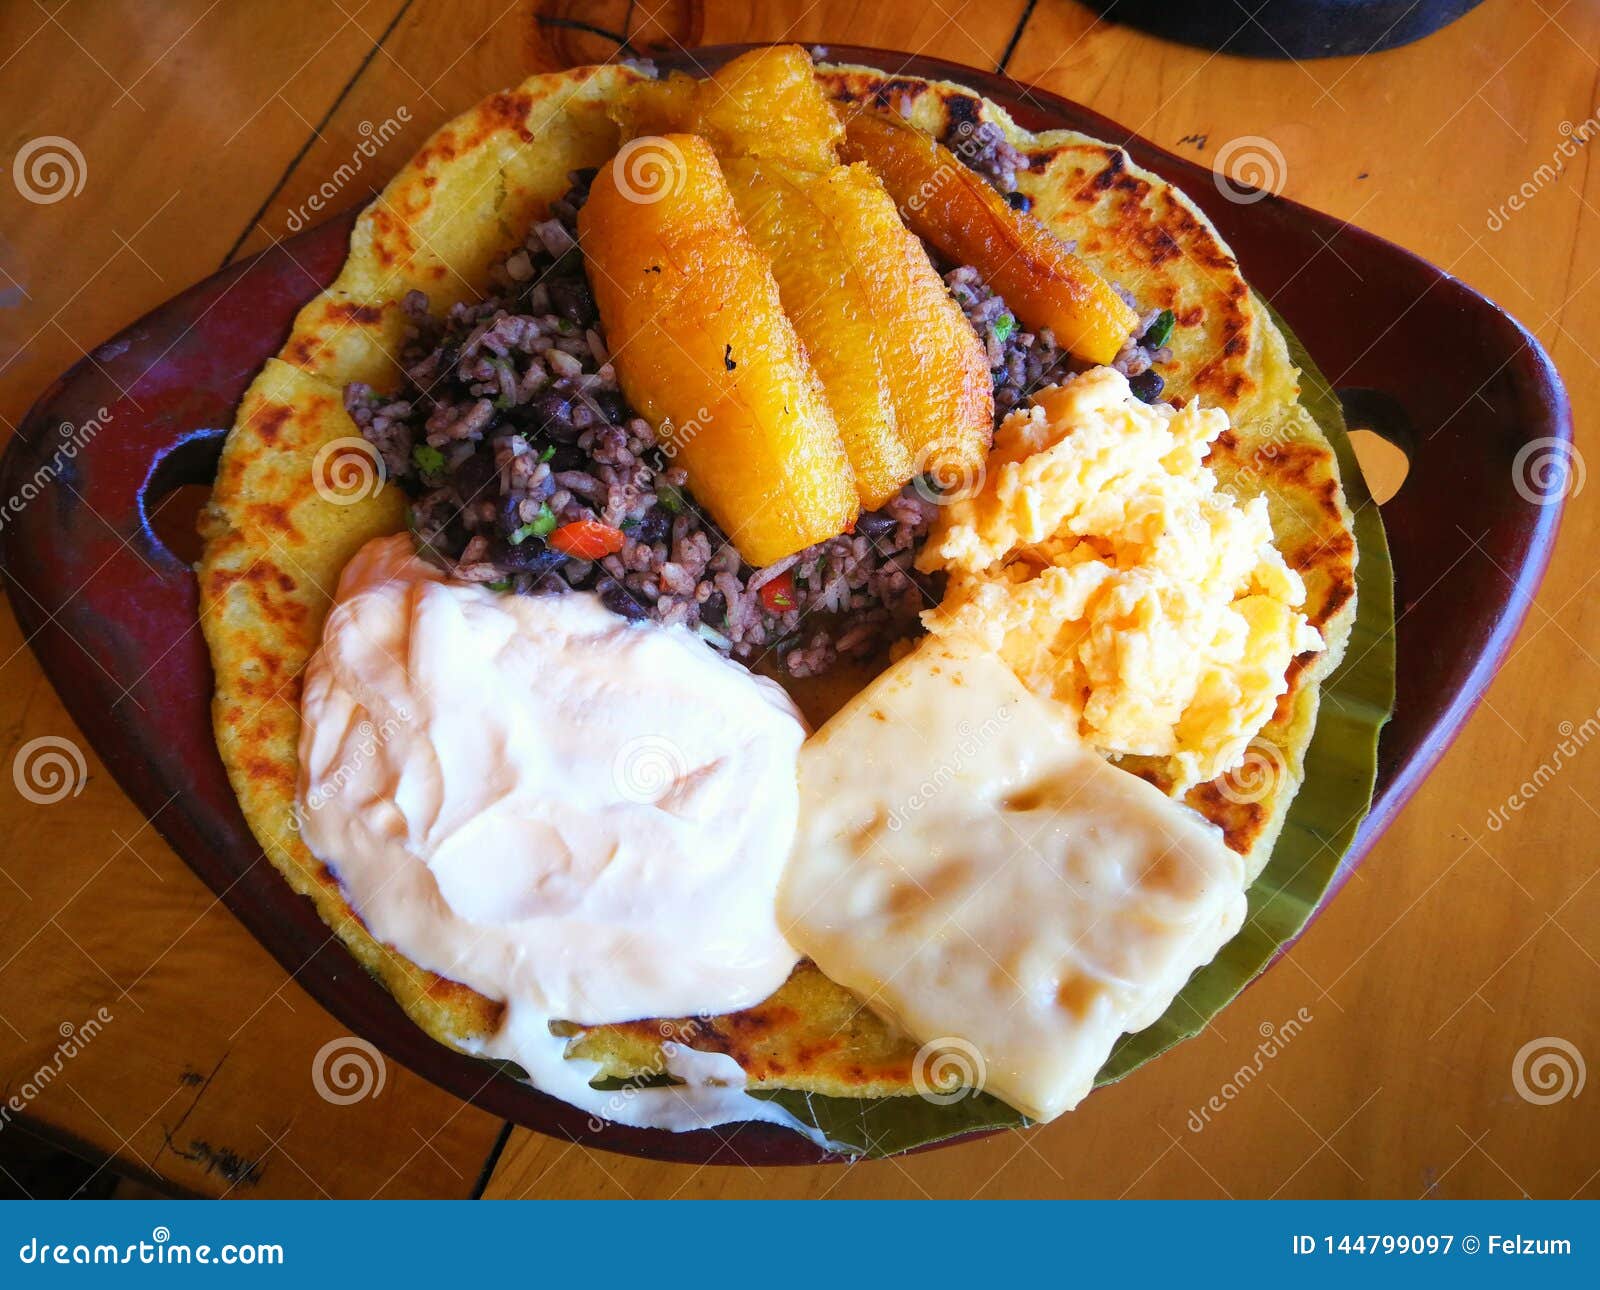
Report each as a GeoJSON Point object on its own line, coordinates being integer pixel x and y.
{"type": "Point", "coordinates": [587, 539]}
{"type": "Point", "coordinates": [778, 594]}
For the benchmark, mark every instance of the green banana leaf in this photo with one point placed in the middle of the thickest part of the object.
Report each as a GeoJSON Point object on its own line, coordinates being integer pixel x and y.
{"type": "Point", "coordinates": [1340, 769]}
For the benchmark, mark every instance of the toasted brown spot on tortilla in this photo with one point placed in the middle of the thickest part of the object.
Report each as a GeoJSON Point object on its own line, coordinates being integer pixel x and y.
{"type": "Point", "coordinates": [348, 311]}
{"type": "Point", "coordinates": [392, 240]}
{"type": "Point", "coordinates": [266, 770]}
{"type": "Point", "coordinates": [271, 515]}
{"type": "Point", "coordinates": [1160, 245]}
{"type": "Point", "coordinates": [1241, 822]}
{"type": "Point", "coordinates": [1108, 174]}
{"type": "Point", "coordinates": [301, 351]}
{"type": "Point", "coordinates": [896, 92]}
{"type": "Point", "coordinates": [437, 153]}
{"type": "Point", "coordinates": [962, 110]}
{"type": "Point", "coordinates": [507, 110]}
{"type": "Point", "coordinates": [270, 421]}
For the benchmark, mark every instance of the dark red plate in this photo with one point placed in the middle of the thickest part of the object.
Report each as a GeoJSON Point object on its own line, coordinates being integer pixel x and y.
{"type": "Point", "coordinates": [111, 612]}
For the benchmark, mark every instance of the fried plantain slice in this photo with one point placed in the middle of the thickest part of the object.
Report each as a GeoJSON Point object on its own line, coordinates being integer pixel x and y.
{"type": "Point", "coordinates": [704, 350]}
{"type": "Point", "coordinates": [968, 222]}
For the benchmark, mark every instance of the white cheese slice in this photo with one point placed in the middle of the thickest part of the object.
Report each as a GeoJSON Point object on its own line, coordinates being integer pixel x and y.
{"type": "Point", "coordinates": [982, 878]}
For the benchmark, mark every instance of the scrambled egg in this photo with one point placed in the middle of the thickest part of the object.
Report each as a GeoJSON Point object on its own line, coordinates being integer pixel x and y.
{"type": "Point", "coordinates": [1099, 558]}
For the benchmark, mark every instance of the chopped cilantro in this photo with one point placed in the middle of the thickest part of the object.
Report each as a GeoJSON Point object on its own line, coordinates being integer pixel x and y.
{"type": "Point", "coordinates": [671, 498]}
{"type": "Point", "coordinates": [1157, 333]}
{"type": "Point", "coordinates": [1004, 325]}
{"type": "Point", "coordinates": [428, 459]}
{"type": "Point", "coordinates": [541, 526]}
{"type": "Point", "coordinates": [548, 453]}
{"type": "Point", "coordinates": [500, 584]}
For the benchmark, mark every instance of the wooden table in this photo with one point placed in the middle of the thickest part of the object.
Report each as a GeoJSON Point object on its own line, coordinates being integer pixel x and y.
{"type": "Point", "coordinates": [205, 130]}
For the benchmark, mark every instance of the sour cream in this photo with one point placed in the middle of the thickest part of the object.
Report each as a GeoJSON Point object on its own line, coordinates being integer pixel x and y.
{"type": "Point", "coordinates": [583, 818]}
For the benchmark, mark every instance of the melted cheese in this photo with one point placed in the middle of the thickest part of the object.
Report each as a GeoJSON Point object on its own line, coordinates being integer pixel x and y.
{"type": "Point", "coordinates": [981, 877]}
{"type": "Point", "coordinates": [1103, 562]}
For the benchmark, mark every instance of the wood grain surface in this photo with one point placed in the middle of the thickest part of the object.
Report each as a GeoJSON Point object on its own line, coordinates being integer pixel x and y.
{"type": "Point", "coordinates": [141, 1026]}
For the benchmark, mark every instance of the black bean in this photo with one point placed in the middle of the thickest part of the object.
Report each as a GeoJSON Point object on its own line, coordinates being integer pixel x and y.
{"type": "Point", "coordinates": [508, 515]}
{"type": "Point", "coordinates": [553, 583]}
{"type": "Point", "coordinates": [566, 457]}
{"type": "Point", "coordinates": [1020, 201]}
{"type": "Point", "coordinates": [530, 555]}
{"type": "Point", "coordinates": [553, 415]}
{"type": "Point", "coordinates": [653, 527]}
{"type": "Point", "coordinates": [619, 600]}
{"type": "Point", "coordinates": [714, 609]}
{"type": "Point", "coordinates": [451, 540]}
{"type": "Point", "coordinates": [474, 476]}
{"type": "Point", "coordinates": [572, 299]}
{"type": "Point", "coordinates": [875, 524]}
{"type": "Point", "coordinates": [1147, 386]}
{"type": "Point", "coordinates": [609, 406]}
